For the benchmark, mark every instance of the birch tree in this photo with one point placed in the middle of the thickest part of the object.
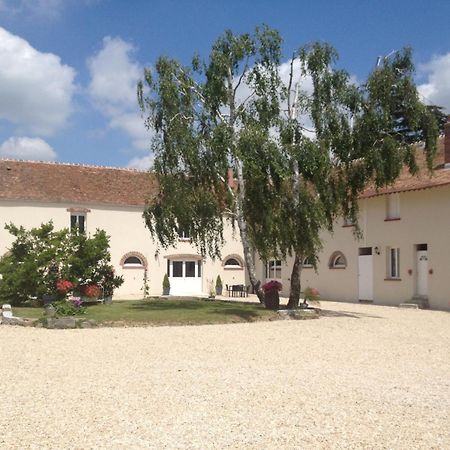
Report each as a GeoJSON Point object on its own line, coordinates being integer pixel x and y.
{"type": "Point", "coordinates": [207, 118]}
{"type": "Point", "coordinates": [301, 148]}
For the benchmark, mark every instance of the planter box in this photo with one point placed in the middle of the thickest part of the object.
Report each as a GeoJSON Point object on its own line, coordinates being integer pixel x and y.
{"type": "Point", "coordinates": [272, 299]}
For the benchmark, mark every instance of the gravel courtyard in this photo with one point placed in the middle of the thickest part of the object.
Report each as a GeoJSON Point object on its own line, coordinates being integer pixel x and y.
{"type": "Point", "coordinates": [360, 377]}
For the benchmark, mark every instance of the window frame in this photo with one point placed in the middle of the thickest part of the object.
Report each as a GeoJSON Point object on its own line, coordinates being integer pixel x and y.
{"type": "Point", "coordinates": [306, 263]}
{"type": "Point", "coordinates": [276, 267]}
{"type": "Point", "coordinates": [184, 235]}
{"type": "Point", "coordinates": [139, 265]}
{"type": "Point", "coordinates": [392, 207]}
{"type": "Point", "coordinates": [333, 259]}
{"type": "Point", "coordinates": [133, 254]}
{"type": "Point", "coordinates": [237, 258]}
{"type": "Point", "coordinates": [76, 226]}
{"type": "Point", "coordinates": [393, 263]}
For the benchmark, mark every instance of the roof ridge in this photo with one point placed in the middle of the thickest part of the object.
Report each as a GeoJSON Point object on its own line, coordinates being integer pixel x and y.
{"type": "Point", "coordinates": [89, 166]}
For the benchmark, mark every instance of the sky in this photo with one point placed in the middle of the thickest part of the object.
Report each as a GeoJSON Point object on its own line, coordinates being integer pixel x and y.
{"type": "Point", "coordinates": [69, 68]}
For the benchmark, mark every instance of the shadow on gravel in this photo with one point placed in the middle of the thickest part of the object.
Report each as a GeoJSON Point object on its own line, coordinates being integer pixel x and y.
{"type": "Point", "coordinates": [352, 315]}
{"type": "Point", "coordinates": [243, 314]}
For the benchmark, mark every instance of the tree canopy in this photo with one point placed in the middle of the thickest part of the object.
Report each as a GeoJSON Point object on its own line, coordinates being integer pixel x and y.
{"type": "Point", "coordinates": [302, 137]}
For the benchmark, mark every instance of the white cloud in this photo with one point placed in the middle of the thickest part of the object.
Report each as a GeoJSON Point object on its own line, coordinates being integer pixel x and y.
{"type": "Point", "coordinates": [437, 88]}
{"type": "Point", "coordinates": [114, 76]}
{"type": "Point", "coordinates": [44, 9]}
{"type": "Point", "coordinates": [36, 89]}
{"type": "Point", "coordinates": [143, 163]}
{"type": "Point", "coordinates": [27, 148]}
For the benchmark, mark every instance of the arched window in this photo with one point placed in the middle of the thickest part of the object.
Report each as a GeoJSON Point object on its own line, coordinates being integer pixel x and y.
{"type": "Point", "coordinates": [337, 261]}
{"type": "Point", "coordinates": [133, 260]}
{"type": "Point", "coordinates": [233, 262]}
{"type": "Point", "coordinates": [307, 263]}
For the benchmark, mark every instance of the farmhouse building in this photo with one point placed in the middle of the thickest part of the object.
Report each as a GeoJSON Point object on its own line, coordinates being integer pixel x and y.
{"type": "Point", "coordinates": [113, 200]}
{"type": "Point", "coordinates": [404, 253]}
{"type": "Point", "coordinates": [403, 256]}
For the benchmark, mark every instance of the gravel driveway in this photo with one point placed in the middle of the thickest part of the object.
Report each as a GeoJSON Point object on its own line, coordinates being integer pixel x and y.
{"type": "Point", "coordinates": [360, 377]}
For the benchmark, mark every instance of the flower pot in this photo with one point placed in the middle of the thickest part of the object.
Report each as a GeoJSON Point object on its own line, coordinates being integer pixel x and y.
{"type": "Point", "coordinates": [219, 290]}
{"type": "Point", "coordinates": [166, 291]}
{"type": "Point", "coordinates": [107, 300]}
{"type": "Point", "coordinates": [272, 299]}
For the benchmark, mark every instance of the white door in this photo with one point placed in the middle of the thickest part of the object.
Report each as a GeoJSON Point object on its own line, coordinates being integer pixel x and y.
{"type": "Point", "coordinates": [422, 273]}
{"type": "Point", "coordinates": [365, 277]}
{"type": "Point", "coordinates": [185, 277]}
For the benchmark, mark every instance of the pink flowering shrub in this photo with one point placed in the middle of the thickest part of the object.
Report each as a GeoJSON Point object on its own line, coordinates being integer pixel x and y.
{"type": "Point", "coordinates": [272, 285]}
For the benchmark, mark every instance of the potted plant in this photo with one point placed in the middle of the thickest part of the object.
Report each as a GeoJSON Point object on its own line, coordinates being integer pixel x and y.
{"type": "Point", "coordinates": [109, 283]}
{"type": "Point", "coordinates": [90, 292]}
{"type": "Point", "coordinates": [219, 286]}
{"type": "Point", "coordinates": [166, 285]}
{"type": "Point", "coordinates": [271, 294]}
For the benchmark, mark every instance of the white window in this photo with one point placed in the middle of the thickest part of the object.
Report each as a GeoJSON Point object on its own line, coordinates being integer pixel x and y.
{"type": "Point", "coordinates": [78, 222]}
{"type": "Point", "coordinates": [274, 269]}
{"type": "Point", "coordinates": [133, 261]}
{"type": "Point", "coordinates": [393, 263]}
{"type": "Point", "coordinates": [307, 263]}
{"type": "Point", "coordinates": [184, 234]}
{"type": "Point", "coordinates": [393, 206]}
{"type": "Point", "coordinates": [232, 262]}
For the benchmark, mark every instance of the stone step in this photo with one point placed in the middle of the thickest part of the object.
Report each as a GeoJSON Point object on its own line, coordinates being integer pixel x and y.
{"type": "Point", "coordinates": [422, 302]}
{"type": "Point", "coordinates": [409, 305]}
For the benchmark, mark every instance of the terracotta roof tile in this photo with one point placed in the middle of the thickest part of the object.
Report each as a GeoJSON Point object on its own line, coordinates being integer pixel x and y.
{"type": "Point", "coordinates": [72, 183]}
{"type": "Point", "coordinates": [423, 180]}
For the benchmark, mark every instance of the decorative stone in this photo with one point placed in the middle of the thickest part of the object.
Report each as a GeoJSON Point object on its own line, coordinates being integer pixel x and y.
{"type": "Point", "coordinates": [88, 324]}
{"type": "Point", "coordinates": [7, 311]}
{"type": "Point", "coordinates": [61, 323]}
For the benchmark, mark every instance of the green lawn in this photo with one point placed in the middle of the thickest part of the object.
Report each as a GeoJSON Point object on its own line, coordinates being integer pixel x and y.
{"type": "Point", "coordinates": [167, 311]}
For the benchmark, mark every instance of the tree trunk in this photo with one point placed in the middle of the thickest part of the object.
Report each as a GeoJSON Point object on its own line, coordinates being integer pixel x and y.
{"type": "Point", "coordinates": [242, 224]}
{"type": "Point", "coordinates": [294, 294]}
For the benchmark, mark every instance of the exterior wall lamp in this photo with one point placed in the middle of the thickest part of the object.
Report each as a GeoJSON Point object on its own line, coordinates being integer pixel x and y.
{"type": "Point", "coordinates": [377, 250]}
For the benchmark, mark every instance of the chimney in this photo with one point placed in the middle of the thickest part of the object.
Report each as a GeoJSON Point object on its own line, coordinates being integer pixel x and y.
{"type": "Point", "coordinates": [447, 144]}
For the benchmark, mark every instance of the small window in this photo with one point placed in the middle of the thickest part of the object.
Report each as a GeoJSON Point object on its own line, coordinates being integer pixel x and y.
{"type": "Point", "coordinates": [233, 262]}
{"type": "Point", "coordinates": [337, 261]}
{"type": "Point", "coordinates": [348, 222]}
{"type": "Point", "coordinates": [78, 222]}
{"type": "Point", "coordinates": [307, 263]}
{"type": "Point", "coordinates": [274, 269]}
{"type": "Point", "coordinates": [177, 269]}
{"type": "Point", "coordinates": [393, 207]}
{"type": "Point", "coordinates": [184, 234]}
{"type": "Point", "coordinates": [393, 263]}
{"type": "Point", "coordinates": [190, 269]}
{"type": "Point", "coordinates": [133, 261]}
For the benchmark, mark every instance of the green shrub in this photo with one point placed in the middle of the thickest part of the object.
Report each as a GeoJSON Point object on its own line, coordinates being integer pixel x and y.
{"type": "Point", "coordinates": [218, 282]}
{"type": "Point", "coordinates": [67, 308]}
{"type": "Point", "coordinates": [166, 282]}
{"type": "Point", "coordinates": [40, 258]}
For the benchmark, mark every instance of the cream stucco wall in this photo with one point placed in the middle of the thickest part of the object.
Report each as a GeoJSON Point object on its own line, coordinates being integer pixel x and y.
{"type": "Point", "coordinates": [424, 219]}
{"type": "Point", "coordinates": [127, 231]}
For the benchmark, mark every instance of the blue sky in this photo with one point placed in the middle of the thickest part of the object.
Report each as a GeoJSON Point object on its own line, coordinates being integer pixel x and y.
{"type": "Point", "coordinates": [68, 68]}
